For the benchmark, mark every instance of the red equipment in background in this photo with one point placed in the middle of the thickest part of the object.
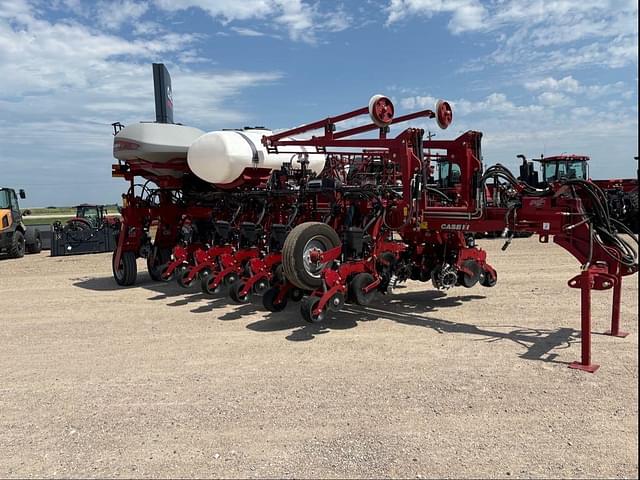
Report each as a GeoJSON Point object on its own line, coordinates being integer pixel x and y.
{"type": "Point", "coordinates": [621, 193]}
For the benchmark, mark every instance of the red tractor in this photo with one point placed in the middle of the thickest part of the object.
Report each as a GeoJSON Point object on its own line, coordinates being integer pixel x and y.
{"type": "Point", "coordinates": [89, 216]}
{"type": "Point", "coordinates": [622, 194]}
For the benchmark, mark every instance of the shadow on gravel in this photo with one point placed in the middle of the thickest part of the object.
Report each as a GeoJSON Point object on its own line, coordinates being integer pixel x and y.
{"type": "Point", "coordinates": [163, 289]}
{"type": "Point", "coordinates": [410, 309]}
{"type": "Point", "coordinates": [168, 290]}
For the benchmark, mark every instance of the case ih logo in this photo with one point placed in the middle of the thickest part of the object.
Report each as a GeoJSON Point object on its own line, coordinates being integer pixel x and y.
{"type": "Point", "coordinates": [455, 226]}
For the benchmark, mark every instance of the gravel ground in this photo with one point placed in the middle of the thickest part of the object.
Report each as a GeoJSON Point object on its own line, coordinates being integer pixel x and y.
{"type": "Point", "coordinates": [156, 381]}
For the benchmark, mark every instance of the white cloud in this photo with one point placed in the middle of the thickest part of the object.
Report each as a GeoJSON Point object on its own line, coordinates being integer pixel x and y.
{"type": "Point", "coordinates": [616, 53]}
{"type": "Point", "coordinates": [495, 102]}
{"type": "Point", "coordinates": [422, 102]}
{"type": "Point", "coordinates": [247, 32]}
{"type": "Point", "coordinates": [38, 58]}
{"type": "Point", "coordinates": [566, 84]}
{"type": "Point", "coordinates": [570, 85]}
{"type": "Point", "coordinates": [62, 84]}
{"type": "Point", "coordinates": [606, 132]}
{"type": "Point", "coordinates": [303, 21]}
{"type": "Point", "coordinates": [114, 14]}
{"type": "Point", "coordinates": [466, 15]}
{"type": "Point", "coordinates": [554, 99]}
{"type": "Point", "coordinates": [226, 10]}
{"type": "Point", "coordinates": [546, 35]}
{"type": "Point", "coordinates": [582, 112]}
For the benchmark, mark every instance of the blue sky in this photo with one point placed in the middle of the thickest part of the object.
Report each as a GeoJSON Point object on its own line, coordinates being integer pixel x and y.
{"type": "Point", "coordinates": [534, 76]}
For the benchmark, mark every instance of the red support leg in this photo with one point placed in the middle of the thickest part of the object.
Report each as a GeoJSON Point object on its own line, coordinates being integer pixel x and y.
{"type": "Point", "coordinates": [615, 311]}
{"type": "Point", "coordinates": [586, 281]}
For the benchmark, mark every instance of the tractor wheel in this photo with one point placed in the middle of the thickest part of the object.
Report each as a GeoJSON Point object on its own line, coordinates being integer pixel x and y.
{"type": "Point", "coordinates": [356, 289]}
{"type": "Point", "coordinates": [17, 245]}
{"type": "Point", "coordinates": [125, 273]}
{"type": "Point", "coordinates": [296, 261]}
{"type": "Point", "coordinates": [234, 292]}
{"type": "Point", "coordinates": [78, 224]}
{"type": "Point", "coordinates": [307, 305]}
{"type": "Point", "coordinates": [269, 298]}
{"type": "Point", "coordinates": [36, 246]}
{"type": "Point", "coordinates": [489, 279]}
{"type": "Point", "coordinates": [157, 262]}
{"type": "Point", "coordinates": [207, 287]}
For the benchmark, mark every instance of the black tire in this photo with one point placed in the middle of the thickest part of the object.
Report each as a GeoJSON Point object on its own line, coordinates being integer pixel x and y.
{"type": "Point", "coordinates": [307, 305]}
{"type": "Point", "coordinates": [230, 279]}
{"type": "Point", "coordinates": [205, 285]}
{"type": "Point", "coordinates": [268, 300]}
{"type": "Point", "coordinates": [125, 273]}
{"type": "Point", "coordinates": [470, 280]}
{"type": "Point", "coordinates": [278, 274]}
{"type": "Point", "coordinates": [356, 286]}
{"type": "Point", "coordinates": [261, 286]}
{"type": "Point", "coordinates": [17, 248]}
{"type": "Point", "coordinates": [181, 276]}
{"type": "Point", "coordinates": [295, 294]}
{"type": "Point", "coordinates": [488, 279]}
{"type": "Point", "coordinates": [204, 273]}
{"type": "Point", "coordinates": [234, 292]}
{"type": "Point", "coordinates": [303, 237]}
{"type": "Point", "coordinates": [336, 302]}
{"type": "Point", "coordinates": [36, 246]}
{"type": "Point", "coordinates": [157, 262]}
{"type": "Point", "coordinates": [78, 224]}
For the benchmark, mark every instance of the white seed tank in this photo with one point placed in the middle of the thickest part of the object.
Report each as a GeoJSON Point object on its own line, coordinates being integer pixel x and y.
{"type": "Point", "coordinates": [221, 157]}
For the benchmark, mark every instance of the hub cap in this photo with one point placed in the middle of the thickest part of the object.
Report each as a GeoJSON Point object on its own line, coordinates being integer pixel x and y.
{"type": "Point", "coordinates": [313, 247]}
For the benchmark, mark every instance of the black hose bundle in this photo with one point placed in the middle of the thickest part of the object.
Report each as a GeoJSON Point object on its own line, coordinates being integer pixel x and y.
{"type": "Point", "coordinates": [439, 193]}
{"type": "Point", "coordinates": [605, 230]}
{"type": "Point", "coordinates": [499, 170]}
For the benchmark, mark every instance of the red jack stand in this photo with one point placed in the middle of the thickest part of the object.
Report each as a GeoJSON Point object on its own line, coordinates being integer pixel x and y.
{"type": "Point", "coordinates": [595, 277]}
{"type": "Point", "coordinates": [615, 312]}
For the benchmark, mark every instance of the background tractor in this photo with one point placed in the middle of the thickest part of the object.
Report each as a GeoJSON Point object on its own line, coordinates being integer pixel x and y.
{"type": "Point", "coordinates": [91, 216]}
{"type": "Point", "coordinates": [90, 231]}
{"type": "Point", "coordinates": [622, 194]}
{"type": "Point", "coordinates": [15, 237]}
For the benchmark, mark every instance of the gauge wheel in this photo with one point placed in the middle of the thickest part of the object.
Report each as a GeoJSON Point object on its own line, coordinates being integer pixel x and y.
{"type": "Point", "coordinates": [357, 286]}
{"type": "Point", "coordinates": [307, 306]}
{"type": "Point", "coordinates": [269, 298]}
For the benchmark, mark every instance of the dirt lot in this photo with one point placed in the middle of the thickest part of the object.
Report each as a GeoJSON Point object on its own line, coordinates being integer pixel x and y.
{"type": "Point", "coordinates": [156, 381]}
